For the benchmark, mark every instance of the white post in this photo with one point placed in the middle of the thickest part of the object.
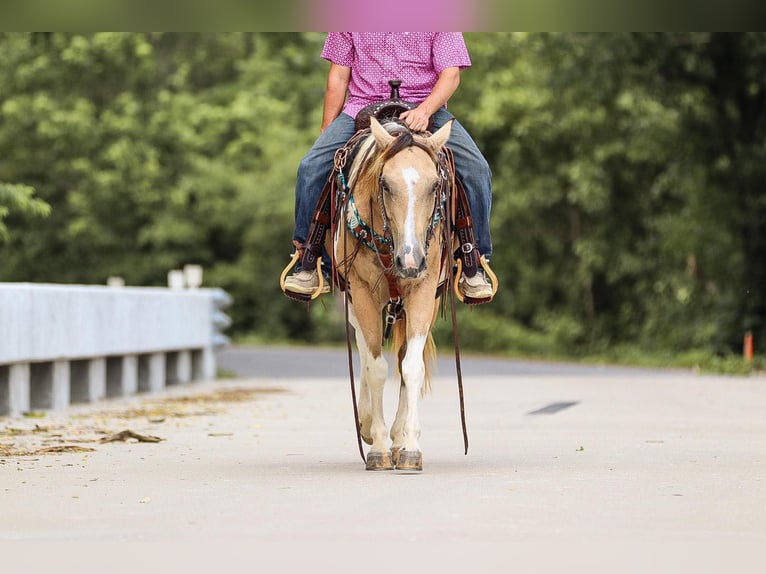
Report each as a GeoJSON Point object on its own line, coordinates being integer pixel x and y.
{"type": "Point", "coordinates": [184, 367]}
{"type": "Point", "coordinates": [129, 375]}
{"type": "Point", "coordinates": [18, 389]}
{"type": "Point", "coordinates": [60, 385]}
{"type": "Point", "coordinates": [176, 279]}
{"type": "Point", "coordinates": [151, 373]}
{"type": "Point", "coordinates": [209, 364]}
{"type": "Point", "coordinates": [193, 276]}
{"type": "Point", "coordinates": [96, 379]}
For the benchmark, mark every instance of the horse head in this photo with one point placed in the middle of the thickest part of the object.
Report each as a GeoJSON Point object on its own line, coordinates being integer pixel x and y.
{"type": "Point", "coordinates": [411, 186]}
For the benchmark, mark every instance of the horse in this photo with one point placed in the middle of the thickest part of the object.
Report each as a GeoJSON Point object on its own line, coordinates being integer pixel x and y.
{"type": "Point", "coordinates": [390, 250]}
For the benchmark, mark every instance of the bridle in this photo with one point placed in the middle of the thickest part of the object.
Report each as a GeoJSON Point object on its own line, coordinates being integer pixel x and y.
{"type": "Point", "coordinates": [438, 213]}
{"type": "Point", "coordinates": [382, 243]}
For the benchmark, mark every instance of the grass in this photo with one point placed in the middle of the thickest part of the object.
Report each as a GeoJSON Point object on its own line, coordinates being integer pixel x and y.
{"type": "Point", "coordinates": [699, 361]}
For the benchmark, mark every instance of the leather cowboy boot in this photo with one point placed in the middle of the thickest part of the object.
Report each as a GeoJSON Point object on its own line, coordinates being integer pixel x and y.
{"type": "Point", "coordinates": [304, 283]}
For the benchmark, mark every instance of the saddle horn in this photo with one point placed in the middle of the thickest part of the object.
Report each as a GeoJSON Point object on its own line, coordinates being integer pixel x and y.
{"type": "Point", "coordinates": [394, 89]}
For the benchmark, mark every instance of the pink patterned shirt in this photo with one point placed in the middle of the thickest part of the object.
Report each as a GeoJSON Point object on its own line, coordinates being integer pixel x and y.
{"type": "Point", "coordinates": [415, 58]}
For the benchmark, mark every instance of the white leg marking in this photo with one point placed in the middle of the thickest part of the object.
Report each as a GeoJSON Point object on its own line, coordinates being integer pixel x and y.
{"type": "Point", "coordinates": [397, 429]}
{"type": "Point", "coordinates": [373, 380]}
{"type": "Point", "coordinates": [413, 371]}
{"type": "Point", "coordinates": [411, 177]}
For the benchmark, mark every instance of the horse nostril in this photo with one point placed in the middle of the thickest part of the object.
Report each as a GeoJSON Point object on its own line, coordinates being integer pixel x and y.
{"type": "Point", "coordinates": [410, 263]}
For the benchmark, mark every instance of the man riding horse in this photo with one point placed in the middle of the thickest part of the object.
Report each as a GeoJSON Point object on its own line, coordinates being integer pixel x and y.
{"type": "Point", "coordinates": [362, 63]}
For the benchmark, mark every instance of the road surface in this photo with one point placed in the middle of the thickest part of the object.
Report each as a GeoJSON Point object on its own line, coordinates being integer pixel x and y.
{"type": "Point", "coordinates": [570, 469]}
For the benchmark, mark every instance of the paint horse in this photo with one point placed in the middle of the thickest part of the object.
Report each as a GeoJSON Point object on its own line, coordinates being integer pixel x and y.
{"type": "Point", "coordinates": [391, 250]}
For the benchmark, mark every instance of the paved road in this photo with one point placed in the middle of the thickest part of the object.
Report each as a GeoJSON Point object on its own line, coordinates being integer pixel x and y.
{"type": "Point", "coordinates": [568, 471]}
{"type": "Point", "coordinates": [292, 362]}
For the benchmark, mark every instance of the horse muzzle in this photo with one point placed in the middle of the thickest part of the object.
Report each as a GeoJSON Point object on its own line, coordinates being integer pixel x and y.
{"type": "Point", "coordinates": [410, 261]}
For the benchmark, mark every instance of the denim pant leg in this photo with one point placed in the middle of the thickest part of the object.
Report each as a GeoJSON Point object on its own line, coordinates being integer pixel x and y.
{"type": "Point", "coordinates": [474, 171]}
{"type": "Point", "coordinates": [314, 169]}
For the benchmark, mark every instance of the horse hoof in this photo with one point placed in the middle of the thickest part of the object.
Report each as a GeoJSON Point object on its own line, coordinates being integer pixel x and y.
{"type": "Point", "coordinates": [395, 454]}
{"type": "Point", "coordinates": [410, 460]}
{"type": "Point", "coordinates": [379, 461]}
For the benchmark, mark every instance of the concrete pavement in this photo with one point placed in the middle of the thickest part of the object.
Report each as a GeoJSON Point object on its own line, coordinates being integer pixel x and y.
{"type": "Point", "coordinates": [619, 471]}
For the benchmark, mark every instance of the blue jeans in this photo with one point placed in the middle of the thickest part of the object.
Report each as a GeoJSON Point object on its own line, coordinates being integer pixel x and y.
{"type": "Point", "coordinates": [472, 169]}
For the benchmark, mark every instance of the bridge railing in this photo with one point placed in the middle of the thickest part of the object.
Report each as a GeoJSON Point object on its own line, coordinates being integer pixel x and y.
{"type": "Point", "coordinates": [61, 344]}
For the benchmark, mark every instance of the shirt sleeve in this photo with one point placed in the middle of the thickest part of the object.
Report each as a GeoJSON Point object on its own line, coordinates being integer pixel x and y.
{"type": "Point", "coordinates": [339, 48]}
{"type": "Point", "coordinates": [449, 51]}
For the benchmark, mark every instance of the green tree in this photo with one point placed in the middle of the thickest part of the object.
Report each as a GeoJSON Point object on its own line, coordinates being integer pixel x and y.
{"type": "Point", "coordinates": [614, 216]}
{"type": "Point", "coordinates": [20, 201]}
{"type": "Point", "coordinates": [628, 176]}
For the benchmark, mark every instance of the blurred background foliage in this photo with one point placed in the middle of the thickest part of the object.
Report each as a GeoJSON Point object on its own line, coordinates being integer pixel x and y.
{"type": "Point", "coordinates": [629, 179]}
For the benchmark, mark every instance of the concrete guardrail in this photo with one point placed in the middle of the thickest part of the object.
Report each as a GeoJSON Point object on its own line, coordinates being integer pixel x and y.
{"type": "Point", "coordinates": [61, 344]}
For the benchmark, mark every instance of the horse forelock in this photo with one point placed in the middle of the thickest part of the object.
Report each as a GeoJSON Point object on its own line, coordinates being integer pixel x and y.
{"type": "Point", "coordinates": [404, 140]}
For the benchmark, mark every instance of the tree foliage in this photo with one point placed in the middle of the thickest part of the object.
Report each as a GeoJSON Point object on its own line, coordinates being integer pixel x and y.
{"type": "Point", "coordinates": [629, 176]}
{"type": "Point", "coordinates": [20, 200]}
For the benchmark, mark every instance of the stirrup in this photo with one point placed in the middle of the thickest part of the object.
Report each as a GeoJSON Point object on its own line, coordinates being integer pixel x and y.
{"type": "Point", "coordinates": [484, 264]}
{"type": "Point", "coordinates": [303, 297]}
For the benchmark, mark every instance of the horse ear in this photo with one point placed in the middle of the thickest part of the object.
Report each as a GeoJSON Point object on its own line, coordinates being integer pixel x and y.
{"type": "Point", "coordinates": [382, 137]}
{"type": "Point", "coordinates": [441, 136]}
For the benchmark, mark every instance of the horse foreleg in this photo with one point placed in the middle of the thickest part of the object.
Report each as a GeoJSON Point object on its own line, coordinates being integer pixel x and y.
{"type": "Point", "coordinates": [397, 429]}
{"type": "Point", "coordinates": [413, 374]}
{"type": "Point", "coordinates": [374, 369]}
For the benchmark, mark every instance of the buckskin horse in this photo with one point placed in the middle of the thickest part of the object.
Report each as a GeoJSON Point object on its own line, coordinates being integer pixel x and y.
{"type": "Point", "coordinates": [398, 191]}
{"type": "Point", "coordinates": [394, 228]}
{"type": "Point", "coordinates": [393, 253]}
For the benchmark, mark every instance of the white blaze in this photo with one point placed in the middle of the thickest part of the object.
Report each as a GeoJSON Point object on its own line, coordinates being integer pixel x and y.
{"type": "Point", "coordinates": [411, 177]}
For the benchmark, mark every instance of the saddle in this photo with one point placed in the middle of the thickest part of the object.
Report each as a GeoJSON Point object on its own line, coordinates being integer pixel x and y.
{"type": "Point", "coordinates": [386, 110]}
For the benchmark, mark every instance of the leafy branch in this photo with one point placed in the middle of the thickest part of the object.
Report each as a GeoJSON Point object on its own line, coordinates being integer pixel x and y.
{"type": "Point", "coordinates": [20, 200]}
